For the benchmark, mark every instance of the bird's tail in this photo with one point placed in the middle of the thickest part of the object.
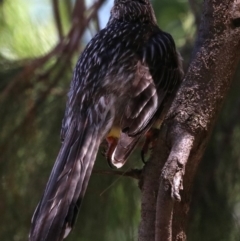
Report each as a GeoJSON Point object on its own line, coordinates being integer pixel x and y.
{"type": "Point", "coordinates": [56, 213]}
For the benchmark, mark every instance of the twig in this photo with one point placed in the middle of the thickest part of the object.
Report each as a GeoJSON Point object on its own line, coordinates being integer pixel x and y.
{"type": "Point", "coordinates": [57, 18]}
{"type": "Point", "coordinates": [134, 173]}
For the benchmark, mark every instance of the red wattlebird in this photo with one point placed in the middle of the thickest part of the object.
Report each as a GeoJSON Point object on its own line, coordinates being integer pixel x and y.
{"type": "Point", "coordinates": [124, 79]}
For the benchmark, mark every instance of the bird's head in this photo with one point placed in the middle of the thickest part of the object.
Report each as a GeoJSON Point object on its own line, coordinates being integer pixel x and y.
{"type": "Point", "coordinates": [132, 11]}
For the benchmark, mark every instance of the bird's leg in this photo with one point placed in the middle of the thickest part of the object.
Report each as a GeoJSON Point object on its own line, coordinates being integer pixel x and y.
{"type": "Point", "coordinates": [149, 143]}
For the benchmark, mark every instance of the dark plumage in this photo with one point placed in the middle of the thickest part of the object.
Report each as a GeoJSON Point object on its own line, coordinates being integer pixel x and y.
{"type": "Point", "coordinates": [125, 78]}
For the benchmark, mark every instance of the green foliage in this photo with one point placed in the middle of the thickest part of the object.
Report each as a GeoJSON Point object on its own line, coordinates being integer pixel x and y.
{"type": "Point", "coordinates": [176, 18]}
{"type": "Point", "coordinates": [24, 33]}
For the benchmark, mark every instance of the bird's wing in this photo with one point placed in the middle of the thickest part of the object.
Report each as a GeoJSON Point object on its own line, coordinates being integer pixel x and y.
{"type": "Point", "coordinates": [57, 210]}
{"type": "Point", "coordinates": [157, 78]}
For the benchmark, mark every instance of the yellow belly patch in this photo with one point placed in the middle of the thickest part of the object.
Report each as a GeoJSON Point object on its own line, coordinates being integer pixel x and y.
{"type": "Point", "coordinates": [114, 132]}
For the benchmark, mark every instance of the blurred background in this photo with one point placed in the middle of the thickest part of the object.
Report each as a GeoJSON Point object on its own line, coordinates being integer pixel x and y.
{"type": "Point", "coordinates": [40, 42]}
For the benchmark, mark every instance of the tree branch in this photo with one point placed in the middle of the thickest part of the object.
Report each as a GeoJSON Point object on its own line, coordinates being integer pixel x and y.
{"type": "Point", "coordinates": [189, 123]}
{"type": "Point", "coordinates": [171, 182]}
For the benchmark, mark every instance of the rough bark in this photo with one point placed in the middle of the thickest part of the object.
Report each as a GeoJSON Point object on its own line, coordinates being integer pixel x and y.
{"type": "Point", "coordinates": [169, 174]}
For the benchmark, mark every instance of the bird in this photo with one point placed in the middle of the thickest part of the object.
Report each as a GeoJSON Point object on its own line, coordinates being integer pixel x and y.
{"type": "Point", "coordinates": [123, 83]}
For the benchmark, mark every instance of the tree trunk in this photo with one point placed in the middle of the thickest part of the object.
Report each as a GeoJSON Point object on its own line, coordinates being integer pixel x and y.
{"type": "Point", "coordinates": [189, 123]}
